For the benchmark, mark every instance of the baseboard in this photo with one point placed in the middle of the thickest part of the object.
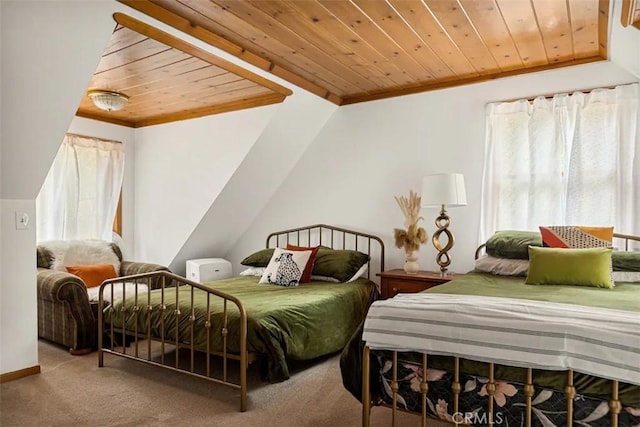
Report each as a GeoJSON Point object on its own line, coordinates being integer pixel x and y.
{"type": "Point", "coordinates": [16, 375]}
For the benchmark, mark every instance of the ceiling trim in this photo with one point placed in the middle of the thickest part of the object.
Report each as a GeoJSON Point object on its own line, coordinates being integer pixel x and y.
{"type": "Point", "coordinates": [176, 43]}
{"type": "Point", "coordinates": [603, 28]}
{"type": "Point", "coordinates": [184, 25]}
{"type": "Point", "coordinates": [630, 13]}
{"type": "Point", "coordinates": [242, 104]}
{"type": "Point", "coordinates": [105, 118]}
{"type": "Point", "coordinates": [388, 93]}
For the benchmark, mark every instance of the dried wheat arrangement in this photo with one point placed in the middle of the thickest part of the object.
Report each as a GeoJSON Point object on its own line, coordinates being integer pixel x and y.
{"type": "Point", "coordinates": [414, 236]}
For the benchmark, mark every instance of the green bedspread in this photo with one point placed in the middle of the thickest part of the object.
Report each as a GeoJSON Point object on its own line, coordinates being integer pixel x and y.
{"type": "Point", "coordinates": [625, 296]}
{"type": "Point", "coordinates": [301, 322]}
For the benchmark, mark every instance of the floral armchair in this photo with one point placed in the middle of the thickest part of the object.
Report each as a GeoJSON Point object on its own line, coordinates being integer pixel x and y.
{"type": "Point", "coordinates": [65, 314]}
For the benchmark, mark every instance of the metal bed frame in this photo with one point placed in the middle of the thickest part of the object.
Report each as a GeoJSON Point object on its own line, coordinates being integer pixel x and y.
{"type": "Point", "coordinates": [141, 340]}
{"type": "Point", "coordinates": [615, 405]}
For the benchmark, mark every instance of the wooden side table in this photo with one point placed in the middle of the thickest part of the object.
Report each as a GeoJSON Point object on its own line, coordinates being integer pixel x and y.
{"type": "Point", "coordinates": [393, 282]}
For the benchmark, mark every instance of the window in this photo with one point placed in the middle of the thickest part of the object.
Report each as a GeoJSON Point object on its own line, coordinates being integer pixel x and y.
{"type": "Point", "coordinates": [80, 195]}
{"type": "Point", "coordinates": [571, 159]}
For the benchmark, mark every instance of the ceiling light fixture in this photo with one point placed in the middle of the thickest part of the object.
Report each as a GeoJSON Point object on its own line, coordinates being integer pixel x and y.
{"type": "Point", "coordinates": [108, 100]}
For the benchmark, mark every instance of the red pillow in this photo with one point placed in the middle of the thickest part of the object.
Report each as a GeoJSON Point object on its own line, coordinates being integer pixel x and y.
{"type": "Point", "coordinates": [306, 274]}
{"type": "Point", "coordinates": [93, 275]}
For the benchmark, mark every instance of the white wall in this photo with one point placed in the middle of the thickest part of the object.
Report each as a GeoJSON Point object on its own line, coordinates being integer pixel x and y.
{"type": "Point", "coordinates": [368, 153]}
{"type": "Point", "coordinates": [181, 168]}
{"type": "Point", "coordinates": [126, 136]}
{"type": "Point", "coordinates": [46, 68]}
{"type": "Point", "coordinates": [293, 128]}
{"type": "Point", "coordinates": [624, 46]}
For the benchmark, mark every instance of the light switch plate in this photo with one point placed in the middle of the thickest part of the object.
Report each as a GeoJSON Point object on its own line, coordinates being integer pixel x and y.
{"type": "Point", "coordinates": [22, 220]}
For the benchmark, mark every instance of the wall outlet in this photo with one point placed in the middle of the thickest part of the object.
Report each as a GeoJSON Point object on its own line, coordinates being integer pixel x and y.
{"type": "Point", "coordinates": [22, 220]}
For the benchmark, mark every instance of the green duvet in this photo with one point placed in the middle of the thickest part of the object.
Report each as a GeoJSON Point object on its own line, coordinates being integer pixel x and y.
{"type": "Point", "coordinates": [301, 322]}
{"type": "Point", "coordinates": [625, 296]}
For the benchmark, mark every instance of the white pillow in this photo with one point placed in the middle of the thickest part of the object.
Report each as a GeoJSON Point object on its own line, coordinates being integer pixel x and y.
{"type": "Point", "coordinates": [285, 267]}
{"type": "Point", "coordinates": [502, 266]}
{"type": "Point", "coordinates": [253, 271]}
{"type": "Point", "coordinates": [626, 276]}
{"type": "Point", "coordinates": [82, 252]}
{"type": "Point", "coordinates": [129, 290]}
{"type": "Point", "coordinates": [356, 276]}
{"type": "Point", "coordinates": [359, 273]}
{"type": "Point", "coordinates": [324, 279]}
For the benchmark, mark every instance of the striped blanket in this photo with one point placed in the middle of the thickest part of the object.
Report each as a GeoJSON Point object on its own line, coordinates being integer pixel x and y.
{"type": "Point", "coordinates": [515, 332]}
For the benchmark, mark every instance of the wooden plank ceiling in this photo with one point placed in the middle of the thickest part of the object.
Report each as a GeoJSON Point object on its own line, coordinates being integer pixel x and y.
{"type": "Point", "coordinates": [167, 79]}
{"type": "Point", "coordinates": [358, 50]}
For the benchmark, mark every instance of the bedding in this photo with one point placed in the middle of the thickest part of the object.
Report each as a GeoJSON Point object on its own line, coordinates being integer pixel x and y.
{"type": "Point", "coordinates": [512, 244]}
{"type": "Point", "coordinates": [515, 332]}
{"type": "Point", "coordinates": [625, 261]}
{"type": "Point", "coordinates": [303, 322]}
{"type": "Point", "coordinates": [306, 274]}
{"type": "Point", "coordinates": [339, 264]}
{"type": "Point", "coordinates": [568, 236]}
{"type": "Point", "coordinates": [593, 393]}
{"type": "Point", "coordinates": [286, 267]}
{"type": "Point", "coordinates": [579, 267]}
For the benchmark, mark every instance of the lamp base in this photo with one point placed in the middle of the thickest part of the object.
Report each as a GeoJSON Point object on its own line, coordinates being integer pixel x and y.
{"type": "Point", "coordinates": [443, 259]}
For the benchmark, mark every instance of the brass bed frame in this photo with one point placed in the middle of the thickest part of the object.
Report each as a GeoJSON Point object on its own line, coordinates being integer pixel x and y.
{"type": "Point", "coordinates": [615, 405]}
{"type": "Point", "coordinates": [141, 340]}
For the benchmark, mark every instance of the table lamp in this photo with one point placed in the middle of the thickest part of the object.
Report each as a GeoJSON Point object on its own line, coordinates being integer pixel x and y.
{"type": "Point", "coordinates": [442, 190]}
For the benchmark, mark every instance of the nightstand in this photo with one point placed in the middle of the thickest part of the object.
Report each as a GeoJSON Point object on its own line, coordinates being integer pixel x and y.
{"type": "Point", "coordinates": [396, 281]}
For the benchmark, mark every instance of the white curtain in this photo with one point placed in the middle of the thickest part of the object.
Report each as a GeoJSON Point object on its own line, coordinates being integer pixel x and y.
{"type": "Point", "coordinates": [569, 160]}
{"type": "Point", "coordinates": [79, 197]}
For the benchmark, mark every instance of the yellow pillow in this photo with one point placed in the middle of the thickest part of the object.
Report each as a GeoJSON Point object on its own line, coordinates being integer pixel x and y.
{"type": "Point", "coordinates": [560, 266]}
{"type": "Point", "coordinates": [93, 275]}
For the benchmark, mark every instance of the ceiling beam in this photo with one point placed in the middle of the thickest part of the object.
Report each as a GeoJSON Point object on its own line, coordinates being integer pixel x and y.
{"type": "Point", "coordinates": [184, 25]}
{"type": "Point", "coordinates": [176, 43]}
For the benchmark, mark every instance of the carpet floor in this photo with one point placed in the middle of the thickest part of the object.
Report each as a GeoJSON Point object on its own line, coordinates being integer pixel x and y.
{"type": "Point", "coordinates": [73, 391]}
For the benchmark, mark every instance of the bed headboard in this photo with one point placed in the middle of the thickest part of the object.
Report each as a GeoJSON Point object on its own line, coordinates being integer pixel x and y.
{"type": "Point", "coordinates": [335, 238]}
{"type": "Point", "coordinates": [625, 242]}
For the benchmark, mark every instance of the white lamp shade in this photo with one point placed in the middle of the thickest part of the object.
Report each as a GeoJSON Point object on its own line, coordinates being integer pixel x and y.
{"type": "Point", "coordinates": [443, 189]}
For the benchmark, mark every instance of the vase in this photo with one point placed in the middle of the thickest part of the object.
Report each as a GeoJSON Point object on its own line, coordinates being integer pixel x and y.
{"type": "Point", "coordinates": [411, 265]}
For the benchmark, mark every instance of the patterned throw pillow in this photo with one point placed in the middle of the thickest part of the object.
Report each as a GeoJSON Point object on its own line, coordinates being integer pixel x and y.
{"type": "Point", "coordinates": [567, 236]}
{"type": "Point", "coordinates": [285, 268]}
{"type": "Point", "coordinates": [306, 274]}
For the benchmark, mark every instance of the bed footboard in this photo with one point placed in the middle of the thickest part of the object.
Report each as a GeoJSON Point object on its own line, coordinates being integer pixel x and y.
{"type": "Point", "coordinates": [463, 418]}
{"type": "Point", "coordinates": [145, 324]}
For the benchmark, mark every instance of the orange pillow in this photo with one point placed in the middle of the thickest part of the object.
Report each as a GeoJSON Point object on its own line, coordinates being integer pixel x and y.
{"type": "Point", "coordinates": [306, 274]}
{"type": "Point", "coordinates": [93, 275]}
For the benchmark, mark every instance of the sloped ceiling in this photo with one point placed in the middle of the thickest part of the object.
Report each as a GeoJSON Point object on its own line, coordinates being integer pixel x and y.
{"type": "Point", "coordinates": [350, 51]}
{"type": "Point", "coordinates": [167, 79]}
